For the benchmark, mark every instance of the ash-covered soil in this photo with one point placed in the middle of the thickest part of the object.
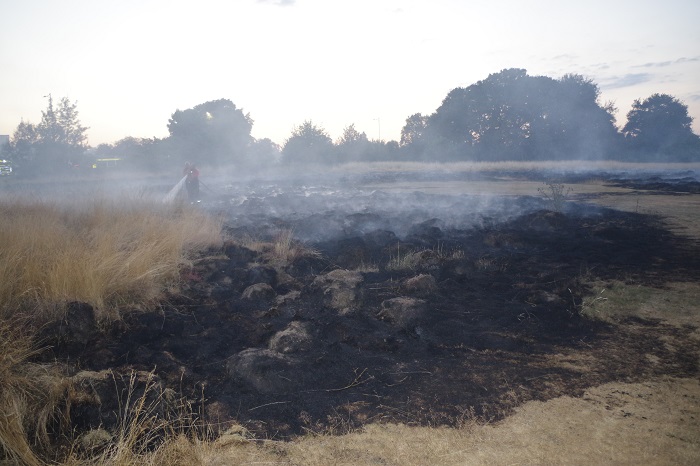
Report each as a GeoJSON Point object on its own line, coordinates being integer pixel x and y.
{"type": "Point", "coordinates": [419, 309]}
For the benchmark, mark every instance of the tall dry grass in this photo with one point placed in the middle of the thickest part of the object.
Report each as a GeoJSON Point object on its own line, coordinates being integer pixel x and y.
{"type": "Point", "coordinates": [106, 253]}
{"type": "Point", "coordinates": [31, 397]}
{"type": "Point", "coordinates": [282, 249]}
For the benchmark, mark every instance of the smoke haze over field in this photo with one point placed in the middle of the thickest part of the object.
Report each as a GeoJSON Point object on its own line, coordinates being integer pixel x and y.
{"type": "Point", "coordinates": [130, 64]}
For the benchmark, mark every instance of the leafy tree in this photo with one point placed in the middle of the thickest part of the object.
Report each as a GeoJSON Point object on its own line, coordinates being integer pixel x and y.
{"type": "Point", "coordinates": [513, 116]}
{"type": "Point", "coordinates": [384, 150]}
{"type": "Point", "coordinates": [351, 136]}
{"type": "Point", "coordinates": [414, 130]}
{"type": "Point", "coordinates": [569, 122]}
{"type": "Point", "coordinates": [307, 144]}
{"type": "Point", "coordinates": [660, 124]}
{"type": "Point", "coordinates": [421, 140]}
{"type": "Point", "coordinates": [58, 141]}
{"type": "Point", "coordinates": [353, 145]}
{"type": "Point", "coordinates": [485, 120]}
{"type": "Point", "coordinates": [141, 153]}
{"type": "Point", "coordinates": [262, 154]}
{"type": "Point", "coordinates": [214, 132]}
{"type": "Point", "coordinates": [25, 133]}
{"type": "Point", "coordinates": [66, 129]}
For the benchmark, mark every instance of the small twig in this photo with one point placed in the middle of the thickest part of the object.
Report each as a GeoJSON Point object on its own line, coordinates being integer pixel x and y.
{"type": "Point", "coordinates": [354, 383]}
{"type": "Point", "coordinates": [269, 404]}
{"type": "Point", "coordinates": [538, 377]}
{"type": "Point", "coordinates": [397, 383]}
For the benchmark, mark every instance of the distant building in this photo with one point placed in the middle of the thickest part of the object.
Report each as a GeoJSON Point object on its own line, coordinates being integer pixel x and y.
{"type": "Point", "coordinates": [5, 166]}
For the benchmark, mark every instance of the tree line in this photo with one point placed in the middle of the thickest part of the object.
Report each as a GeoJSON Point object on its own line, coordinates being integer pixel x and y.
{"type": "Point", "coordinates": [510, 115]}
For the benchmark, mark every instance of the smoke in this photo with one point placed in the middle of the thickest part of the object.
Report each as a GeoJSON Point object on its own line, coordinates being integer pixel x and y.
{"type": "Point", "coordinates": [323, 203]}
{"type": "Point", "coordinates": [401, 198]}
{"type": "Point", "coordinates": [333, 206]}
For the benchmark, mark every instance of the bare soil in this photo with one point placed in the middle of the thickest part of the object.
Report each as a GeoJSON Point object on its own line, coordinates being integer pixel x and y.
{"type": "Point", "coordinates": [488, 316]}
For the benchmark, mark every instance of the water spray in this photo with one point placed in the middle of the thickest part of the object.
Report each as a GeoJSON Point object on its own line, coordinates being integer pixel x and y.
{"type": "Point", "coordinates": [172, 194]}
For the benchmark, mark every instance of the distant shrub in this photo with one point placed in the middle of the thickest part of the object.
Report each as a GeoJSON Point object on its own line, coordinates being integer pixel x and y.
{"type": "Point", "coordinates": [555, 194]}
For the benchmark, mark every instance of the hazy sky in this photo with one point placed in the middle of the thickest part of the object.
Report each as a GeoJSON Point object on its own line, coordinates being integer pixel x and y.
{"type": "Point", "coordinates": [129, 64]}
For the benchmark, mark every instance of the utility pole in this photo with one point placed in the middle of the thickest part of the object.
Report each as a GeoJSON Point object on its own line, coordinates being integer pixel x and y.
{"type": "Point", "coordinates": [379, 128]}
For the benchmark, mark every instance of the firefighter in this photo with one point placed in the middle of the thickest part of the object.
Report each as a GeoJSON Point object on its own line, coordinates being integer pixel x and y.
{"type": "Point", "coordinates": [192, 182]}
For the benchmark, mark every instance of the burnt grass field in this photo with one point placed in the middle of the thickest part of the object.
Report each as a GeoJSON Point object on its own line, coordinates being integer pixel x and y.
{"type": "Point", "coordinates": [410, 308]}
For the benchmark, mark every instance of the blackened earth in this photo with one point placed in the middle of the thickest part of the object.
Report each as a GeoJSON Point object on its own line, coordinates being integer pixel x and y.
{"type": "Point", "coordinates": [486, 316]}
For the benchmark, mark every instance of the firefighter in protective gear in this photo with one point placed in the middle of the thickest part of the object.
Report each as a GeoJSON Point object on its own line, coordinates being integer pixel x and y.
{"type": "Point", "coordinates": [192, 182]}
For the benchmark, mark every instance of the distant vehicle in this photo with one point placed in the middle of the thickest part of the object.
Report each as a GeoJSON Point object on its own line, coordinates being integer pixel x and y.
{"type": "Point", "coordinates": [5, 168]}
{"type": "Point", "coordinates": [106, 163]}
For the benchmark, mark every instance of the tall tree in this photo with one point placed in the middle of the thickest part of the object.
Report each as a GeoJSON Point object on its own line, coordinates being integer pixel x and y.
{"type": "Point", "coordinates": [419, 142]}
{"type": "Point", "coordinates": [72, 131]}
{"type": "Point", "coordinates": [308, 144]}
{"type": "Point", "coordinates": [54, 144]}
{"type": "Point", "coordinates": [262, 155]}
{"type": "Point", "coordinates": [513, 116]}
{"type": "Point", "coordinates": [568, 120]}
{"type": "Point", "coordinates": [214, 132]}
{"type": "Point", "coordinates": [414, 129]}
{"type": "Point", "coordinates": [660, 124]}
{"type": "Point", "coordinates": [485, 118]}
{"type": "Point", "coordinates": [353, 146]}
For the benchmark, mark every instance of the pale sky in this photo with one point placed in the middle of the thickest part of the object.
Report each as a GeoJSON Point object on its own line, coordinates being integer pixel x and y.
{"type": "Point", "coordinates": [129, 64]}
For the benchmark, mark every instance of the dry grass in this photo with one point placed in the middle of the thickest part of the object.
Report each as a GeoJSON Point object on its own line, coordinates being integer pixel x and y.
{"type": "Point", "coordinates": [681, 212]}
{"type": "Point", "coordinates": [368, 267]}
{"type": "Point", "coordinates": [149, 435]}
{"type": "Point", "coordinates": [283, 249]}
{"type": "Point", "coordinates": [651, 423]}
{"type": "Point", "coordinates": [677, 303]}
{"type": "Point", "coordinates": [31, 397]}
{"type": "Point", "coordinates": [144, 435]}
{"type": "Point", "coordinates": [421, 259]}
{"type": "Point", "coordinates": [105, 253]}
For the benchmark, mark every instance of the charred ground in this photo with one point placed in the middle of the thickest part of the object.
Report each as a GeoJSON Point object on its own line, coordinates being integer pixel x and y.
{"type": "Point", "coordinates": [424, 315]}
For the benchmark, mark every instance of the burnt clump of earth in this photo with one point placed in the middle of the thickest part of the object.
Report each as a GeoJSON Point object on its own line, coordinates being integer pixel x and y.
{"type": "Point", "coordinates": [423, 312]}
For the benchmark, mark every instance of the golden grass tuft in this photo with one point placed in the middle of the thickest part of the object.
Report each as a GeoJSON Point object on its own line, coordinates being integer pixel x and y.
{"type": "Point", "coordinates": [106, 253]}
{"type": "Point", "coordinates": [283, 249]}
{"type": "Point", "coordinates": [411, 259]}
{"type": "Point", "coordinates": [147, 435]}
{"type": "Point", "coordinates": [31, 397]}
{"type": "Point", "coordinates": [157, 429]}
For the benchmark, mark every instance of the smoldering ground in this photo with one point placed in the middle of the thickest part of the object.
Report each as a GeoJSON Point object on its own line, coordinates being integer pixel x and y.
{"type": "Point", "coordinates": [399, 306]}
